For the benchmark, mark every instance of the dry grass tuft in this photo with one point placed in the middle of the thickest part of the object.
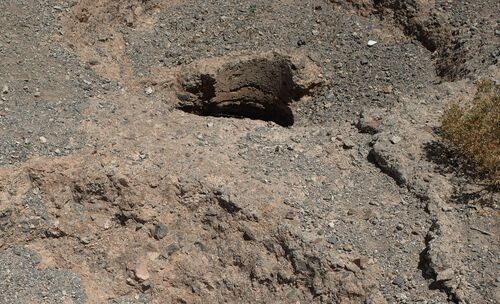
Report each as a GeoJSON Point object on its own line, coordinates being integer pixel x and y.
{"type": "Point", "coordinates": [473, 129]}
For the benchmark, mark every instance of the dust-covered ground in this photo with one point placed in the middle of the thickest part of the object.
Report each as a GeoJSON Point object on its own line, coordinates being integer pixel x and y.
{"type": "Point", "coordinates": [270, 151]}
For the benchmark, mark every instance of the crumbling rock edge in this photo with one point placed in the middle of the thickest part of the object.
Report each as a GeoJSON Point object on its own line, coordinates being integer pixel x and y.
{"type": "Point", "coordinates": [260, 86]}
{"type": "Point", "coordinates": [107, 212]}
{"type": "Point", "coordinates": [440, 261]}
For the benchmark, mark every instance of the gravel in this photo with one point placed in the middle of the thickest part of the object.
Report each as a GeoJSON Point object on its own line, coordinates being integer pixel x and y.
{"type": "Point", "coordinates": [22, 282]}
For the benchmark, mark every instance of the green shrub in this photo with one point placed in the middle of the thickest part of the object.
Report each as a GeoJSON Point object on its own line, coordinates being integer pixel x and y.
{"type": "Point", "coordinates": [473, 129]}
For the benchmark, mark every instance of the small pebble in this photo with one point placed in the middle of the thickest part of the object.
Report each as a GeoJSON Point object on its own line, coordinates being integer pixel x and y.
{"type": "Point", "coordinates": [399, 281]}
{"type": "Point", "coordinates": [347, 144]}
{"type": "Point", "coordinates": [395, 139]}
{"type": "Point", "coordinates": [160, 231]}
{"type": "Point", "coordinates": [149, 90]}
{"type": "Point", "coordinates": [301, 42]}
{"type": "Point", "coordinates": [332, 240]}
{"type": "Point", "coordinates": [372, 42]}
{"type": "Point", "coordinates": [43, 140]}
{"type": "Point", "coordinates": [141, 272]}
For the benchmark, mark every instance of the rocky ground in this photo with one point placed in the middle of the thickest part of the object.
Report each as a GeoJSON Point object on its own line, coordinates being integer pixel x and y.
{"type": "Point", "coordinates": [270, 151]}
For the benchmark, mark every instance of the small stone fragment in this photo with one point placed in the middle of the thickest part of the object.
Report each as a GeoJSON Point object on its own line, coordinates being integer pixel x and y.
{"type": "Point", "coordinates": [332, 240]}
{"type": "Point", "coordinates": [149, 90]}
{"type": "Point", "coordinates": [372, 42]}
{"type": "Point", "coordinates": [347, 144]}
{"type": "Point", "coordinates": [399, 281]}
{"type": "Point", "coordinates": [85, 240]}
{"type": "Point", "coordinates": [5, 89]}
{"type": "Point", "coordinates": [141, 272]}
{"type": "Point", "coordinates": [169, 250]}
{"type": "Point", "coordinates": [301, 42]}
{"type": "Point", "coordinates": [361, 262]}
{"type": "Point", "coordinates": [248, 235]}
{"type": "Point", "coordinates": [43, 140]}
{"type": "Point", "coordinates": [368, 124]}
{"type": "Point", "coordinates": [395, 139]}
{"type": "Point", "coordinates": [160, 231]}
{"type": "Point", "coordinates": [445, 275]}
{"type": "Point", "coordinates": [54, 232]}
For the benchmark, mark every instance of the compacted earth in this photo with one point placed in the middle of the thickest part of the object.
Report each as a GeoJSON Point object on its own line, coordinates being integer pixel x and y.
{"type": "Point", "coordinates": [224, 151]}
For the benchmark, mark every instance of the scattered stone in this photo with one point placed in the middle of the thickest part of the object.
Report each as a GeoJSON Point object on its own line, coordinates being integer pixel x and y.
{"type": "Point", "coordinates": [85, 240]}
{"type": "Point", "coordinates": [37, 93]}
{"type": "Point", "coordinates": [149, 90]}
{"type": "Point", "coordinates": [388, 89]}
{"type": "Point", "coordinates": [54, 232]}
{"type": "Point", "coordinates": [103, 38]}
{"type": "Point", "coordinates": [290, 215]}
{"type": "Point", "coordinates": [368, 124]}
{"type": "Point", "coordinates": [43, 140]}
{"type": "Point", "coordinates": [160, 231]}
{"type": "Point", "coordinates": [445, 275]}
{"type": "Point", "coordinates": [169, 250]}
{"type": "Point", "coordinates": [5, 89]}
{"type": "Point", "coordinates": [25, 279]}
{"type": "Point", "coordinates": [301, 42]}
{"type": "Point", "coordinates": [248, 235]}
{"type": "Point", "coordinates": [395, 139]}
{"type": "Point", "coordinates": [361, 262]}
{"type": "Point", "coordinates": [347, 144]}
{"type": "Point", "coordinates": [227, 202]}
{"type": "Point", "coordinates": [123, 181]}
{"type": "Point", "coordinates": [315, 32]}
{"type": "Point", "coordinates": [141, 272]}
{"type": "Point", "coordinates": [399, 281]}
{"type": "Point", "coordinates": [347, 247]}
{"type": "Point", "coordinates": [390, 160]}
{"type": "Point", "coordinates": [333, 240]}
{"type": "Point", "coordinates": [372, 42]}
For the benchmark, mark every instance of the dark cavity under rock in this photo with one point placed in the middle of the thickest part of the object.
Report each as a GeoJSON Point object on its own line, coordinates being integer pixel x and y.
{"type": "Point", "coordinates": [260, 87]}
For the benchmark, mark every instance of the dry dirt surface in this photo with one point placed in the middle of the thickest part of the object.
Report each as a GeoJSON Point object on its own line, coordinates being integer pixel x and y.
{"type": "Point", "coordinates": [223, 151]}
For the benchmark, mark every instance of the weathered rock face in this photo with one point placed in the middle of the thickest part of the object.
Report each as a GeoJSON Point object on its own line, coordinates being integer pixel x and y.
{"type": "Point", "coordinates": [258, 87]}
{"type": "Point", "coordinates": [135, 201]}
{"type": "Point", "coordinates": [389, 159]}
{"type": "Point", "coordinates": [227, 250]}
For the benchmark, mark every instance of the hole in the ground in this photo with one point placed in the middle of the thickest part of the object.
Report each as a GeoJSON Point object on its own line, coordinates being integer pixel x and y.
{"type": "Point", "coordinates": [258, 88]}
